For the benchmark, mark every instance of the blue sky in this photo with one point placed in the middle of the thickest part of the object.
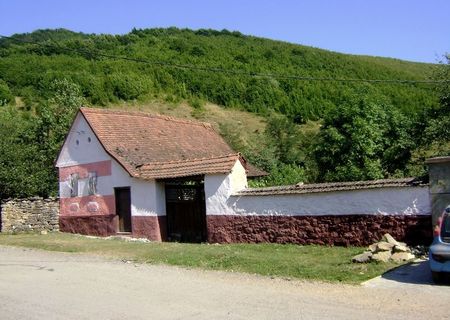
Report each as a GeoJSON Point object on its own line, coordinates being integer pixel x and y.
{"type": "Point", "coordinates": [405, 29]}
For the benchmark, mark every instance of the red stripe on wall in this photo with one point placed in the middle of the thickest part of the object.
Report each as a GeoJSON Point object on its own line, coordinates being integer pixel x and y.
{"type": "Point", "coordinates": [87, 205]}
{"type": "Point", "coordinates": [103, 168]}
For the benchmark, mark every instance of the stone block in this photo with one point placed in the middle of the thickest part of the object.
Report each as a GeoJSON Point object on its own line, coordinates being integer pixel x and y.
{"type": "Point", "coordinates": [382, 256]}
{"type": "Point", "coordinates": [363, 257]}
{"type": "Point", "coordinates": [402, 256]}
{"type": "Point", "coordinates": [401, 248]}
{"type": "Point", "coordinates": [384, 246]}
{"type": "Point", "coordinates": [389, 239]}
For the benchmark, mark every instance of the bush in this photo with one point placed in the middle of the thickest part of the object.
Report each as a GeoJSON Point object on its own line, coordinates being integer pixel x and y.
{"type": "Point", "coordinates": [6, 97]}
{"type": "Point", "coordinates": [129, 86]}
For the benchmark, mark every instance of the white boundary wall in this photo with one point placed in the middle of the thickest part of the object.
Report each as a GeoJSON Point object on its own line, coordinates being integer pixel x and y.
{"type": "Point", "coordinates": [219, 190]}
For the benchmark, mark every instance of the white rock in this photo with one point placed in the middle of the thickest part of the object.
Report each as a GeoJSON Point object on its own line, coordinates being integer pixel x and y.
{"type": "Point", "coordinates": [400, 248]}
{"type": "Point", "coordinates": [363, 257]}
{"type": "Point", "coordinates": [402, 256]}
{"type": "Point", "coordinates": [373, 248]}
{"type": "Point", "coordinates": [382, 256]}
{"type": "Point", "coordinates": [390, 239]}
{"type": "Point", "coordinates": [384, 246]}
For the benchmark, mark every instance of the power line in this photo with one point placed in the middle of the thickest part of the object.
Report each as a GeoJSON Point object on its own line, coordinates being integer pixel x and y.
{"type": "Point", "coordinates": [225, 71]}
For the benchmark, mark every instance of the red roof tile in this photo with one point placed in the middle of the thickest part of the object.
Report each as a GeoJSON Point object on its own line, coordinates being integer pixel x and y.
{"type": "Point", "coordinates": [192, 167]}
{"type": "Point", "coordinates": [153, 146]}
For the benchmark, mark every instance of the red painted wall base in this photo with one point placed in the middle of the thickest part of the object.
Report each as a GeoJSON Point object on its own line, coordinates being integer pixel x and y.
{"type": "Point", "coordinates": [358, 230]}
{"type": "Point", "coordinates": [152, 228]}
{"type": "Point", "coordinates": [102, 225]}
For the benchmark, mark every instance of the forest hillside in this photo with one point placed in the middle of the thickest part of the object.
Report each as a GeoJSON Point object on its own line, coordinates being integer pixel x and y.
{"type": "Point", "coordinates": [300, 113]}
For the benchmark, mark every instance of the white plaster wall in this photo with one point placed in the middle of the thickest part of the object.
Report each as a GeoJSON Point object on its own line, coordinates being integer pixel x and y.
{"type": "Point", "coordinates": [219, 188]}
{"type": "Point", "coordinates": [392, 201]}
{"type": "Point", "coordinates": [147, 197]}
{"type": "Point", "coordinates": [217, 193]}
{"type": "Point", "coordinates": [238, 177]}
{"type": "Point", "coordinates": [83, 152]}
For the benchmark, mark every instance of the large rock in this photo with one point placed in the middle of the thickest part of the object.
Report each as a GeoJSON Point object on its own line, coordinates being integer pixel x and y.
{"type": "Point", "coordinates": [402, 256]}
{"type": "Point", "coordinates": [401, 248]}
{"type": "Point", "coordinates": [363, 257]}
{"type": "Point", "coordinates": [382, 256]}
{"type": "Point", "coordinates": [373, 248]}
{"type": "Point", "coordinates": [384, 246]}
{"type": "Point", "coordinates": [389, 239]}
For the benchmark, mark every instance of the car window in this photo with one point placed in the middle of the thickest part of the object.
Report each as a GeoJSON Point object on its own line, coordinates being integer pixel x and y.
{"type": "Point", "coordinates": [445, 229]}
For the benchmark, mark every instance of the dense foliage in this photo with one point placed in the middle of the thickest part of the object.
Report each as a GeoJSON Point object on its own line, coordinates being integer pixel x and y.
{"type": "Point", "coordinates": [363, 140]}
{"type": "Point", "coordinates": [367, 130]}
{"type": "Point", "coordinates": [83, 59]}
{"type": "Point", "coordinates": [30, 142]}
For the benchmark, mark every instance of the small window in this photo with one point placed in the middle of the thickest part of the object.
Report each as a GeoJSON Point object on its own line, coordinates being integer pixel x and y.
{"type": "Point", "coordinates": [92, 184]}
{"type": "Point", "coordinates": [74, 184]}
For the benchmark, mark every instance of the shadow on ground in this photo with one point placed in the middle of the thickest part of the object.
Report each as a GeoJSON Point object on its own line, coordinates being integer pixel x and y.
{"type": "Point", "coordinates": [414, 273]}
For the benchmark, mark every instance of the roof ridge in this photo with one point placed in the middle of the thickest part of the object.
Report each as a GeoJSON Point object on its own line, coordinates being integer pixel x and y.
{"type": "Point", "coordinates": [144, 114]}
{"type": "Point", "coordinates": [237, 154]}
{"type": "Point", "coordinates": [332, 187]}
{"type": "Point", "coordinates": [335, 184]}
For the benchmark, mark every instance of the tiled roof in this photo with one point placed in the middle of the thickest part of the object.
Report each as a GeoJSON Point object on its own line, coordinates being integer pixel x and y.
{"type": "Point", "coordinates": [174, 169]}
{"type": "Point", "coordinates": [160, 144]}
{"type": "Point", "coordinates": [332, 187]}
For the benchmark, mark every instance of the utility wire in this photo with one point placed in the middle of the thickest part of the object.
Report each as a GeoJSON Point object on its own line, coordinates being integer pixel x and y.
{"type": "Point", "coordinates": [98, 53]}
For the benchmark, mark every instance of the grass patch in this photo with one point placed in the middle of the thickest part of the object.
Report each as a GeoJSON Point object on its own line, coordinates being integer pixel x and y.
{"type": "Point", "coordinates": [332, 264]}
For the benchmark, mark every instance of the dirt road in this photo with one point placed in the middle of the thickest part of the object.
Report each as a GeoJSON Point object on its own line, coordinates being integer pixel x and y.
{"type": "Point", "coordinates": [46, 285]}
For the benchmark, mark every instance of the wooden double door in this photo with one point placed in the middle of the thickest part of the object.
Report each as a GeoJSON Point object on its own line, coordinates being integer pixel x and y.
{"type": "Point", "coordinates": [186, 211]}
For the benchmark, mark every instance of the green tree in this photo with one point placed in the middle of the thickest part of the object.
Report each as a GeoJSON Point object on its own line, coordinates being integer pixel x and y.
{"type": "Point", "coordinates": [437, 132]}
{"type": "Point", "coordinates": [362, 140]}
{"type": "Point", "coordinates": [50, 126]}
{"type": "Point", "coordinates": [22, 170]}
{"type": "Point", "coordinates": [6, 97]}
{"type": "Point", "coordinates": [283, 135]}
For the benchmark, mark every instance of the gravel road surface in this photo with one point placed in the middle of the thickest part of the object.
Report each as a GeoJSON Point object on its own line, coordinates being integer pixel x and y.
{"type": "Point", "coordinates": [48, 285]}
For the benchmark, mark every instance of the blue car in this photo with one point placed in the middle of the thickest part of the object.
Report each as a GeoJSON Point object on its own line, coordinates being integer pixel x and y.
{"type": "Point", "coordinates": [440, 248]}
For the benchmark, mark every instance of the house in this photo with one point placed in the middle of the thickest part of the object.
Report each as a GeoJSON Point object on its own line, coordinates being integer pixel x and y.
{"type": "Point", "coordinates": [143, 175]}
{"type": "Point", "coordinates": [169, 179]}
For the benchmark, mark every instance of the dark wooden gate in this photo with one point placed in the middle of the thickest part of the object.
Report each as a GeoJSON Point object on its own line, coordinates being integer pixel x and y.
{"type": "Point", "coordinates": [123, 208]}
{"type": "Point", "coordinates": [186, 212]}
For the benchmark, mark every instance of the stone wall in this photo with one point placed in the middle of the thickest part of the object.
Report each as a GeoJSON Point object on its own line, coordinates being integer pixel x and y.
{"type": "Point", "coordinates": [31, 214]}
{"type": "Point", "coordinates": [357, 230]}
